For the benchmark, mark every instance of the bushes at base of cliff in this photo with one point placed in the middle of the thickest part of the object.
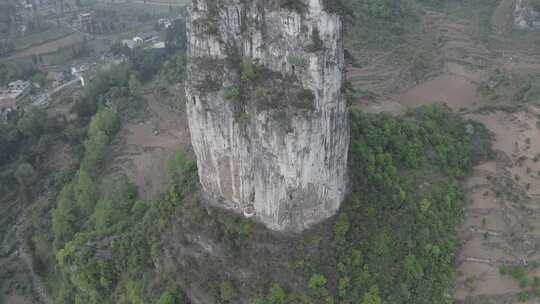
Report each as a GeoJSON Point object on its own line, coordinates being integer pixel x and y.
{"type": "Point", "coordinates": [392, 241]}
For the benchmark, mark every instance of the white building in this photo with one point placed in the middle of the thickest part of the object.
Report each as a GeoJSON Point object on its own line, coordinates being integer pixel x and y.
{"type": "Point", "coordinates": [85, 22]}
{"type": "Point", "coordinates": [145, 38]}
{"type": "Point", "coordinates": [165, 23]}
{"type": "Point", "coordinates": [131, 44]}
{"type": "Point", "coordinates": [10, 95]}
{"type": "Point", "coordinates": [19, 86]}
{"type": "Point", "coordinates": [78, 69]}
{"type": "Point", "coordinates": [78, 72]}
{"type": "Point", "coordinates": [158, 45]}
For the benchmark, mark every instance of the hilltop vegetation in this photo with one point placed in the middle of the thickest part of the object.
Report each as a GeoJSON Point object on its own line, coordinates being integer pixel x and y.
{"type": "Point", "coordinates": [396, 233]}
{"type": "Point", "coordinates": [390, 242]}
{"type": "Point", "coordinates": [63, 199]}
{"type": "Point", "coordinates": [393, 240]}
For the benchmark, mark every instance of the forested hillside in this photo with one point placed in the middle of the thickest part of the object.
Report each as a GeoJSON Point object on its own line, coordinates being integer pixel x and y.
{"type": "Point", "coordinates": [95, 240]}
{"type": "Point", "coordinates": [393, 240]}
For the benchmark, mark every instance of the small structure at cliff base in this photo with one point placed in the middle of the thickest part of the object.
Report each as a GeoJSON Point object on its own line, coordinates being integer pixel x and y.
{"type": "Point", "coordinates": [268, 120]}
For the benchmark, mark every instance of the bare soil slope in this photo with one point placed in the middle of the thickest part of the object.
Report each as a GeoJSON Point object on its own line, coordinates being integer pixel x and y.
{"type": "Point", "coordinates": [145, 144]}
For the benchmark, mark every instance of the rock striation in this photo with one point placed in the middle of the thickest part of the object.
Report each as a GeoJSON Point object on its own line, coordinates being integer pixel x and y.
{"type": "Point", "coordinates": [266, 111]}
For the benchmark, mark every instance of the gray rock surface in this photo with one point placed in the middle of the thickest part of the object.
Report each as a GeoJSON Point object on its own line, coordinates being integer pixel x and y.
{"type": "Point", "coordinates": [281, 146]}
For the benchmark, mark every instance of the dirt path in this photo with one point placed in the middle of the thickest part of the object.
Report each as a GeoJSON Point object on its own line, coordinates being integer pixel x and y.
{"type": "Point", "coordinates": [48, 47]}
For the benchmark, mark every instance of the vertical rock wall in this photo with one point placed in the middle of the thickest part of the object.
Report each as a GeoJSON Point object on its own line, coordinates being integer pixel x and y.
{"type": "Point", "coordinates": [267, 116]}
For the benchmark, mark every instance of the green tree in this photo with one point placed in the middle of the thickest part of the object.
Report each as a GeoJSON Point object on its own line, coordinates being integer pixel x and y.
{"type": "Point", "coordinates": [178, 166]}
{"type": "Point", "coordinates": [277, 295]}
{"type": "Point", "coordinates": [227, 291]}
{"type": "Point", "coordinates": [104, 215]}
{"type": "Point", "coordinates": [33, 122]}
{"type": "Point", "coordinates": [116, 206]}
{"type": "Point", "coordinates": [172, 295]}
{"type": "Point", "coordinates": [95, 151]}
{"type": "Point", "coordinates": [135, 86]}
{"type": "Point", "coordinates": [390, 158]}
{"type": "Point", "coordinates": [249, 71]}
{"type": "Point", "coordinates": [413, 268]}
{"type": "Point", "coordinates": [173, 70]}
{"type": "Point", "coordinates": [317, 284]}
{"type": "Point", "coordinates": [317, 281]}
{"type": "Point", "coordinates": [372, 296]}
{"type": "Point", "coordinates": [25, 175]}
{"type": "Point", "coordinates": [167, 298]}
{"type": "Point", "coordinates": [85, 193]}
{"type": "Point", "coordinates": [39, 78]}
{"type": "Point", "coordinates": [105, 120]}
{"type": "Point", "coordinates": [64, 217]}
{"type": "Point", "coordinates": [134, 291]}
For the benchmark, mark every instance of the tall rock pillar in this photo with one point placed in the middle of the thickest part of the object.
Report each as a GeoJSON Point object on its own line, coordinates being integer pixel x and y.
{"type": "Point", "coordinates": [266, 112]}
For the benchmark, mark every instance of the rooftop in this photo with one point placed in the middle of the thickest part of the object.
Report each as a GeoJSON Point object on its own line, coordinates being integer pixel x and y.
{"type": "Point", "coordinates": [147, 35]}
{"type": "Point", "coordinates": [18, 83]}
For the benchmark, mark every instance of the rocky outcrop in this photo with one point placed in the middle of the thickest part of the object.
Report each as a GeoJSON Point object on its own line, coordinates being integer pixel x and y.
{"type": "Point", "coordinates": [266, 112]}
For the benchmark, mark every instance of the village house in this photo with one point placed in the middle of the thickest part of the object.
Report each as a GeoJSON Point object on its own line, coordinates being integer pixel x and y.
{"type": "Point", "coordinates": [10, 95]}
{"type": "Point", "coordinates": [131, 44]}
{"type": "Point", "coordinates": [19, 87]}
{"type": "Point", "coordinates": [146, 38]}
{"type": "Point", "coordinates": [78, 71]}
{"type": "Point", "coordinates": [85, 22]}
{"type": "Point", "coordinates": [164, 23]}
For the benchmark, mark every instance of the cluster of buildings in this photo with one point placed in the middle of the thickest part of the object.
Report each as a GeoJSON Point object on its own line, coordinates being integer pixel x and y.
{"type": "Point", "coordinates": [9, 96]}
{"type": "Point", "coordinates": [146, 39]}
{"type": "Point", "coordinates": [85, 22]}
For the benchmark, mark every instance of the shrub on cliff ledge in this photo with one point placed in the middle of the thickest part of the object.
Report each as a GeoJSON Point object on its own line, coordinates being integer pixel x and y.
{"type": "Point", "coordinates": [249, 71]}
{"type": "Point", "coordinates": [232, 93]}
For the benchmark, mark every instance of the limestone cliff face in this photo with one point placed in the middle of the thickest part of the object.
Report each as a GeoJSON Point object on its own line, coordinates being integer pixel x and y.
{"type": "Point", "coordinates": [267, 116]}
